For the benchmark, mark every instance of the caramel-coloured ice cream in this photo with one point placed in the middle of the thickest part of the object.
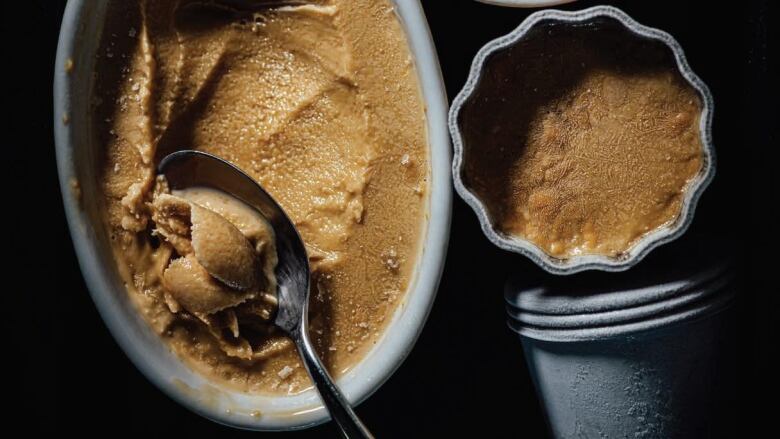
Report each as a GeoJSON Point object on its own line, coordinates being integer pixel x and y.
{"type": "Point", "coordinates": [317, 101]}
{"type": "Point", "coordinates": [221, 270]}
{"type": "Point", "coordinates": [582, 140]}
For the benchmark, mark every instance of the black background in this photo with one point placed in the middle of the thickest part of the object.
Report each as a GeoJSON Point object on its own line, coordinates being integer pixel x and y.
{"type": "Point", "coordinates": [466, 373]}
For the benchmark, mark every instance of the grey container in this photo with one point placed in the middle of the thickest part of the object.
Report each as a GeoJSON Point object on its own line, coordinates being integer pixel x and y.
{"type": "Point", "coordinates": [643, 356]}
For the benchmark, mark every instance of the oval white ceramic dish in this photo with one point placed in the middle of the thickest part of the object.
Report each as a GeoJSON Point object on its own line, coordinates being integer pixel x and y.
{"type": "Point", "coordinates": [649, 241]}
{"type": "Point", "coordinates": [77, 152]}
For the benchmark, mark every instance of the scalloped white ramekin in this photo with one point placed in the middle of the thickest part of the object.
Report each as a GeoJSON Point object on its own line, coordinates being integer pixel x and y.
{"type": "Point", "coordinates": [649, 241]}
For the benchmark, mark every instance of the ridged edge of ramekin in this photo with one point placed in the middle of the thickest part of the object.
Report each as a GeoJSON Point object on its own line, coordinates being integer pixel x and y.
{"type": "Point", "coordinates": [648, 242]}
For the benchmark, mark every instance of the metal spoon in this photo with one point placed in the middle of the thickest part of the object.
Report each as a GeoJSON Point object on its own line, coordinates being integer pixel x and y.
{"type": "Point", "coordinates": [194, 168]}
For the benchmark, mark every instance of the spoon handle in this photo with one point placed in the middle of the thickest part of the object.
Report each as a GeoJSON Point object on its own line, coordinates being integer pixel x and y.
{"type": "Point", "coordinates": [340, 410]}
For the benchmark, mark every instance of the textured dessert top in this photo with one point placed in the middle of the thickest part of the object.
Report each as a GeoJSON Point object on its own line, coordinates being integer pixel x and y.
{"type": "Point", "coordinates": [582, 139]}
{"type": "Point", "coordinates": [320, 103]}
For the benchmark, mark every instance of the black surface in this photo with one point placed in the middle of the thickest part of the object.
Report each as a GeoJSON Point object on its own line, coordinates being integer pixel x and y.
{"type": "Point", "coordinates": [466, 373]}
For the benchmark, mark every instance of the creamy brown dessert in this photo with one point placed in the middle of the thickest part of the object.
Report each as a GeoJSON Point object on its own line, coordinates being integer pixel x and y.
{"type": "Point", "coordinates": [220, 258]}
{"type": "Point", "coordinates": [582, 139]}
{"type": "Point", "coordinates": [320, 103]}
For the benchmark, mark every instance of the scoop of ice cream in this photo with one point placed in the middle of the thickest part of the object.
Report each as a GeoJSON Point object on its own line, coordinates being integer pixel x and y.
{"type": "Point", "coordinates": [222, 249]}
{"type": "Point", "coordinates": [218, 245]}
{"type": "Point", "coordinates": [191, 285]}
{"type": "Point", "coordinates": [240, 215]}
{"type": "Point", "coordinates": [224, 272]}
